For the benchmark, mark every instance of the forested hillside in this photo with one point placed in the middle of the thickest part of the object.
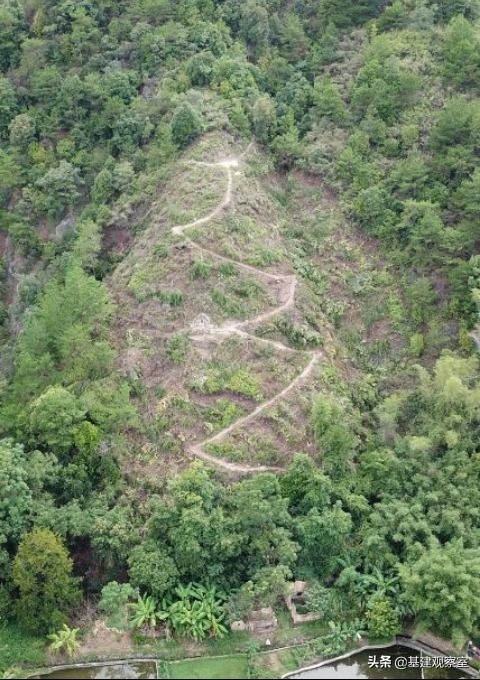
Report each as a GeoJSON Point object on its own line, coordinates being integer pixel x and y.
{"type": "Point", "coordinates": [240, 292]}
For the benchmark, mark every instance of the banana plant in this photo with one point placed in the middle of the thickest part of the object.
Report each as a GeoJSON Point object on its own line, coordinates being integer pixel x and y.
{"type": "Point", "coordinates": [188, 618]}
{"type": "Point", "coordinates": [382, 584]}
{"type": "Point", "coordinates": [199, 611]}
{"type": "Point", "coordinates": [376, 583]}
{"type": "Point", "coordinates": [65, 640]}
{"type": "Point", "coordinates": [146, 613]}
{"type": "Point", "coordinates": [187, 592]}
{"type": "Point", "coordinates": [217, 628]}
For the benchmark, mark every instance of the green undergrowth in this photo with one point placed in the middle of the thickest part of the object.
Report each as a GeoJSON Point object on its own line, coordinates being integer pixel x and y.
{"type": "Point", "coordinates": [18, 647]}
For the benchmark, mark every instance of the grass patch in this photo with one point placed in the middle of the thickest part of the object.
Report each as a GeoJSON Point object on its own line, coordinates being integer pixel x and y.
{"type": "Point", "coordinates": [265, 257]}
{"type": "Point", "coordinates": [299, 336]}
{"type": "Point", "coordinates": [227, 269]}
{"type": "Point", "coordinates": [173, 298]}
{"type": "Point", "coordinates": [225, 667]}
{"type": "Point", "coordinates": [227, 304]}
{"type": "Point", "coordinates": [223, 412]}
{"type": "Point", "coordinates": [17, 647]}
{"type": "Point", "coordinates": [177, 347]}
{"type": "Point", "coordinates": [255, 449]}
{"type": "Point", "coordinates": [200, 269]}
{"type": "Point", "coordinates": [240, 382]}
{"type": "Point", "coordinates": [244, 383]}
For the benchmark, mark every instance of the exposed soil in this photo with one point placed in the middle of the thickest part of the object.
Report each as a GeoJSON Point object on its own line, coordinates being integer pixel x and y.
{"type": "Point", "coordinates": [117, 239]}
{"type": "Point", "coordinates": [286, 287]}
{"type": "Point", "coordinates": [101, 638]}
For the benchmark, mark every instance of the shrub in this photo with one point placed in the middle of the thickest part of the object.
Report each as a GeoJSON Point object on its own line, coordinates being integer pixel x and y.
{"type": "Point", "coordinates": [200, 269]}
{"type": "Point", "coordinates": [243, 382]}
{"type": "Point", "coordinates": [114, 602]}
{"type": "Point", "coordinates": [25, 239]}
{"type": "Point", "coordinates": [417, 344]}
{"type": "Point", "coordinates": [174, 298]}
{"type": "Point", "coordinates": [42, 572]}
{"type": "Point", "coordinates": [160, 251]}
{"type": "Point", "coordinates": [177, 347]}
{"type": "Point", "coordinates": [186, 125]}
{"type": "Point", "coordinates": [382, 619]}
{"type": "Point", "coordinates": [318, 599]}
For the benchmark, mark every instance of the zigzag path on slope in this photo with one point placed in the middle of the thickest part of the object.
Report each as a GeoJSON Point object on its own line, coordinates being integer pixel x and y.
{"type": "Point", "coordinates": [287, 288]}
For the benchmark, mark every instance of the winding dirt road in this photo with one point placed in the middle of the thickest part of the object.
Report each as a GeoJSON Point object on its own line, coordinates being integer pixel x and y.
{"type": "Point", "coordinates": [286, 285]}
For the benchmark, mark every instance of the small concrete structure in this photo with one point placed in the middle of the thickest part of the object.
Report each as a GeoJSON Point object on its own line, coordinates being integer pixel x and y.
{"type": "Point", "coordinates": [259, 621]}
{"type": "Point", "coordinates": [295, 596]}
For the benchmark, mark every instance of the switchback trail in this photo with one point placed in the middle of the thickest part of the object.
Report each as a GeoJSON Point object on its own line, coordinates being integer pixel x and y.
{"type": "Point", "coordinates": [286, 286]}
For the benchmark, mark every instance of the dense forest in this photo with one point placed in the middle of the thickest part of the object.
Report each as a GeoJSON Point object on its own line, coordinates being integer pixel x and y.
{"type": "Point", "coordinates": [359, 125]}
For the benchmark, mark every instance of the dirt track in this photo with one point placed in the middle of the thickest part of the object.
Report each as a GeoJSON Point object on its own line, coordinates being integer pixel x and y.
{"type": "Point", "coordinates": [287, 287]}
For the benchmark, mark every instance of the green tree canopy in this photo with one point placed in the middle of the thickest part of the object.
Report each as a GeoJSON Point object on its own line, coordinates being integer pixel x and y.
{"type": "Point", "coordinates": [442, 588]}
{"type": "Point", "coordinates": [42, 573]}
{"type": "Point", "coordinates": [54, 418]}
{"type": "Point", "coordinates": [16, 499]}
{"type": "Point", "coordinates": [186, 125]}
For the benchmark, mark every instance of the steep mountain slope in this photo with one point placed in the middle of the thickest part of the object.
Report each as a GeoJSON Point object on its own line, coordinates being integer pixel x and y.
{"type": "Point", "coordinates": [194, 320]}
{"type": "Point", "coordinates": [217, 321]}
{"type": "Point", "coordinates": [239, 292]}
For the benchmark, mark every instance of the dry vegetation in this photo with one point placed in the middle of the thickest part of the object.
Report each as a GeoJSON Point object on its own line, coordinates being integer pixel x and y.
{"type": "Point", "coordinates": [191, 384]}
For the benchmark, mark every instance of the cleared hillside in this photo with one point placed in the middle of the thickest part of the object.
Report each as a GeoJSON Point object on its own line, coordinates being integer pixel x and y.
{"type": "Point", "coordinates": [239, 304]}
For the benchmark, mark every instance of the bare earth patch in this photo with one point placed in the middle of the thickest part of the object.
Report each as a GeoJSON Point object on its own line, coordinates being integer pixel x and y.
{"type": "Point", "coordinates": [102, 638]}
